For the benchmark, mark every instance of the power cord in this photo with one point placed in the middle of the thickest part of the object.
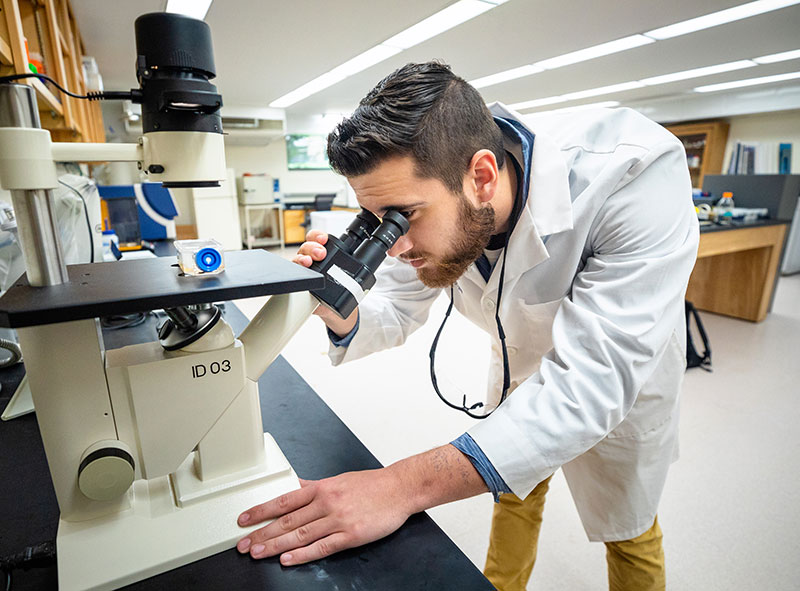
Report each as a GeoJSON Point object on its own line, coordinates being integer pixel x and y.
{"type": "Point", "coordinates": [92, 96]}
{"type": "Point", "coordinates": [38, 555]}
{"type": "Point", "coordinates": [121, 321]}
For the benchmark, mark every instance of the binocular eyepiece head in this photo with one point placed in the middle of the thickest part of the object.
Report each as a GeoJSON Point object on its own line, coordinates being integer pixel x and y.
{"type": "Point", "coordinates": [372, 251]}
{"type": "Point", "coordinates": [357, 253]}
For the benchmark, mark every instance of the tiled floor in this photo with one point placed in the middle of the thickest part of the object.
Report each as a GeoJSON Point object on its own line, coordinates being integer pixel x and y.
{"type": "Point", "coordinates": [730, 511]}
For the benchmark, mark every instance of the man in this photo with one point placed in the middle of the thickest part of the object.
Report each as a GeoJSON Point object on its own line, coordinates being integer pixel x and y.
{"type": "Point", "coordinates": [573, 239]}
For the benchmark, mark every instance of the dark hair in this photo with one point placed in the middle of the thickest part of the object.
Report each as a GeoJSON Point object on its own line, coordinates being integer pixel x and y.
{"type": "Point", "coordinates": [421, 110]}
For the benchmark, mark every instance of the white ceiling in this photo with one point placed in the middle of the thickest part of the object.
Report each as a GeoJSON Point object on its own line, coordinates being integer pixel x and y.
{"type": "Point", "coordinates": [265, 49]}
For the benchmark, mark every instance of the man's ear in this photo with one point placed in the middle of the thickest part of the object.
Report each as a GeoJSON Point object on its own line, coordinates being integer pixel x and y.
{"type": "Point", "coordinates": [483, 174]}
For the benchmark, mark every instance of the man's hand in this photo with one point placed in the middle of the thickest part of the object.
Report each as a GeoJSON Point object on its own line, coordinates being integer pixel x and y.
{"type": "Point", "coordinates": [313, 249]}
{"type": "Point", "coordinates": [326, 516]}
{"type": "Point", "coordinates": [355, 508]}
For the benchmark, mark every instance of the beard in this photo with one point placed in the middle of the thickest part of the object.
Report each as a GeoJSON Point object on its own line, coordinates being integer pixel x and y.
{"type": "Point", "coordinates": [474, 228]}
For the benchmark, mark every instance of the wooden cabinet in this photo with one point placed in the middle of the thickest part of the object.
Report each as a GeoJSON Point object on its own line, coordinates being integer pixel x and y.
{"type": "Point", "coordinates": [736, 271]}
{"type": "Point", "coordinates": [705, 147]}
{"type": "Point", "coordinates": [44, 32]}
{"type": "Point", "coordinates": [294, 220]}
{"type": "Point", "coordinates": [293, 230]}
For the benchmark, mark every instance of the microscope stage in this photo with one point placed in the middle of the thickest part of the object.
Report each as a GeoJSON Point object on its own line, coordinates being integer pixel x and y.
{"type": "Point", "coordinates": [125, 287]}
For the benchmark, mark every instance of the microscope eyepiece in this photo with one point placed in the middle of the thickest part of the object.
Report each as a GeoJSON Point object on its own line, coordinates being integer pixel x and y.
{"type": "Point", "coordinates": [394, 225]}
{"type": "Point", "coordinates": [359, 230]}
{"type": "Point", "coordinates": [372, 251]}
{"type": "Point", "coordinates": [354, 257]}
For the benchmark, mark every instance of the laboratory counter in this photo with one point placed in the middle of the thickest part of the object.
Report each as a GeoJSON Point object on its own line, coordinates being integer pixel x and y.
{"type": "Point", "coordinates": [737, 268]}
{"type": "Point", "coordinates": [713, 227]}
{"type": "Point", "coordinates": [418, 556]}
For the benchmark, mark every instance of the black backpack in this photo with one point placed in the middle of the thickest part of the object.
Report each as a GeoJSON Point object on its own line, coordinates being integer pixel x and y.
{"type": "Point", "coordinates": [693, 358]}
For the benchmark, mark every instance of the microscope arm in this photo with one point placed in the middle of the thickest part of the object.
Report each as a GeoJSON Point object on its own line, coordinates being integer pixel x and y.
{"type": "Point", "coordinates": [277, 322]}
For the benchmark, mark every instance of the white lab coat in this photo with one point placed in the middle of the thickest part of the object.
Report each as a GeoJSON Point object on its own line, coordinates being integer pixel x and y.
{"type": "Point", "coordinates": [593, 315]}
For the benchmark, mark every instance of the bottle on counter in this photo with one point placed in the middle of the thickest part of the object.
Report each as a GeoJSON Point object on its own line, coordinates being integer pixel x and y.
{"type": "Point", "coordinates": [110, 244]}
{"type": "Point", "coordinates": [724, 207]}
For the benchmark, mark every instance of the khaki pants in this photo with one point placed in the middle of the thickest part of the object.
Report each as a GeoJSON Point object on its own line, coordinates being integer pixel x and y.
{"type": "Point", "coordinates": [633, 565]}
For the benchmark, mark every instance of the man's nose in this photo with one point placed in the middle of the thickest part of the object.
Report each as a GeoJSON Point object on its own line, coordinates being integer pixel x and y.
{"type": "Point", "coordinates": [402, 245]}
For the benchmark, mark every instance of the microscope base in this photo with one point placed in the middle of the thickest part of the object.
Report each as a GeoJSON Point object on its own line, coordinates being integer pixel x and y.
{"type": "Point", "coordinates": [156, 535]}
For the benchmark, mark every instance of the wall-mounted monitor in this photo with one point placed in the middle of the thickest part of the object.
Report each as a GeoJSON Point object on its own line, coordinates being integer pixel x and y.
{"type": "Point", "coordinates": [307, 152]}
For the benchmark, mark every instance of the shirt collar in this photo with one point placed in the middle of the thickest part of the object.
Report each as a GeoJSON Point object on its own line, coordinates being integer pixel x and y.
{"type": "Point", "coordinates": [518, 145]}
{"type": "Point", "coordinates": [549, 202]}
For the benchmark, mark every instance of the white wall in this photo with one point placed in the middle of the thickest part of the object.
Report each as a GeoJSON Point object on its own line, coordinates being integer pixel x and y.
{"type": "Point", "coordinates": [271, 159]}
{"type": "Point", "coordinates": [781, 126]}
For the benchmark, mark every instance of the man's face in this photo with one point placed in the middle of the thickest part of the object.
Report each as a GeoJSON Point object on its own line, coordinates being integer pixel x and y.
{"type": "Point", "coordinates": [448, 232]}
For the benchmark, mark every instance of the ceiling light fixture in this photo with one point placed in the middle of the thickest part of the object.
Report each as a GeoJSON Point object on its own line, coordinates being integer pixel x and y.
{"type": "Point", "coordinates": [438, 23]}
{"type": "Point", "coordinates": [721, 17]}
{"type": "Point", "coordinates": [595, 51]}
{"type": "Point", "coordinates": [445, 19]}
{"type": "Point", "coordinates": [574, 57]}
{"type": "Point", "coordinates": [600, 105]}
{"type": "Point", "coordinates": [748, 82]}
{"type": "Point", "coordinates": [611, 89]}
{"type": "Point", "coordinates": [653, 81]}
{"type": "Point", "coordinates": [777, 57]}
{"type": "Point", "coordinates": [360, 62]}
{"type": "Point", "coordinates": [511, 74]}
{"type": "Point", "coordinates": [532, 104]}
{"type": "Point", "coordinates": [193, 8]}
{"type": "Point", "coordinates": [681, 28]}
{"type": "Point", "coordinates": [574, 96]}
{"type": "Point", "coordinates": [698, 72]}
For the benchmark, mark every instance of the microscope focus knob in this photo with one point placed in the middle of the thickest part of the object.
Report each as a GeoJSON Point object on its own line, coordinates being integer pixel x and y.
{"type": "Point", "coordinates": [106, 470]}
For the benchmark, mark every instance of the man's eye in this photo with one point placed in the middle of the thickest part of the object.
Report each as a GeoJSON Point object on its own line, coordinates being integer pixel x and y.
{"type": "Point", "coordinates": [407, 213]}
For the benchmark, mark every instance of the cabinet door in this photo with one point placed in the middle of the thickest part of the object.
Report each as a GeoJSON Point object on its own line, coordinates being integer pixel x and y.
{"type": "Point", "coordinates": [705, 147]}
{"type": "Point", "coordinates": [294, 232]}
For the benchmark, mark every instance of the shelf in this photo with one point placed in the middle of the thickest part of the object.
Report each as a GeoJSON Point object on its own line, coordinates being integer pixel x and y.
{"type": "Point", "coordinates": [255, 217]}
{"type": "Point", "coordinates": [6, 57]}
{"type": "Point", "coordinates": [51, 31]}
{"type": "Point", "coordinates": [46, 99]}
{"type": "Point", "coordinates": [63, 43]}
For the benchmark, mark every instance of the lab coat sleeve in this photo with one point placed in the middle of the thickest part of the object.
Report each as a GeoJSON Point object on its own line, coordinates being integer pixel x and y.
{"type": "Point", "coordinates": [610, 332]}
{"type": "Point", "coordinates": [395, 307]}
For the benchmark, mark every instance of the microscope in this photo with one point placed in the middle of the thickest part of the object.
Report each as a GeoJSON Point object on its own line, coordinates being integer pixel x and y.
{"type": "Point", "coordinates": [154, 449]}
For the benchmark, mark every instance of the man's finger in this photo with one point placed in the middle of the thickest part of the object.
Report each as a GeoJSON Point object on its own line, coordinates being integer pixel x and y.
{"type": "Point", "coordinates": [319, 549]}
{"type": "Point", "coordinates": [313, 249]}
{"type": "Point", "coordinates": [277, 506]}
{"type": "Point", "coordinates": [303, 259]}
{"type": "Point", "coordinates": [298, 538]}
{"type": "Point", "coordinates": [317, 236]}
{"type": "Point", "coordinates": [282, 525]}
